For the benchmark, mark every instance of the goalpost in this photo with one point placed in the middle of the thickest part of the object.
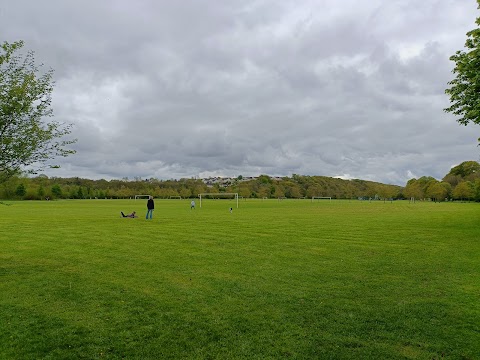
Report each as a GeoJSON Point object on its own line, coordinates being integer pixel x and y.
{"type": "Point", "coordinates": [218, 194]}
{"type": "Point", "coordinates": [321, 197]}
{"type": "Point", "coordinates": [141, 196]}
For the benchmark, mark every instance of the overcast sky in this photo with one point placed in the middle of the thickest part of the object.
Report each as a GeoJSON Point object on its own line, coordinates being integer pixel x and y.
{"type": "Point", "coordinates": [185, 88]}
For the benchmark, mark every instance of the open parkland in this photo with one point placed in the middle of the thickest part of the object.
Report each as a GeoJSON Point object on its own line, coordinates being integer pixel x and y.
{"type": "Point", "coordinates": [290, 279]}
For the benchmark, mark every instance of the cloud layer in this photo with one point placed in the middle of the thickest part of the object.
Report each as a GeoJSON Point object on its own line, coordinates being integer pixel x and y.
{"type": "Point", "coordinates": [189, 88]}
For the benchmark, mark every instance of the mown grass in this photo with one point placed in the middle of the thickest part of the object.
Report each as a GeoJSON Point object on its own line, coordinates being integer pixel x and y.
{"type": "Point", "coordinates": [273, 279]}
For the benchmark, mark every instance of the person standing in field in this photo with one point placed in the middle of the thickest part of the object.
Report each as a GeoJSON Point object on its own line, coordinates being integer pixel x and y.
{"type": "Point", "coordinates": [150, 207]}
{"type": "Point", "coordinates": [192, 205]}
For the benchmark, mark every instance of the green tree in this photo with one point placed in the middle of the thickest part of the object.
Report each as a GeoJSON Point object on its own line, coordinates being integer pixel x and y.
{"type": "Point", "coordinates": [41, 192]}
{"type": "Point", "coordinates": [265, 179]}
{"type": "Point", "coordinates": [244, 190]}
{"type": "Point", "coordinates": [279, 191]}
{"type": "Point", "coordinates": [185, 192]}
{"type": "Point", "coordinates": [382, 192]}
{"type": "Point", "coordinates": [477, 189]}
{"type": "Point", "coordinates": [413, 189]}
{"type": "Point", "coordinates": [453, 180]}
{"type": "Point", "coordinates": [293, 191]}
{"type": "Point", "coordinates": [386, 192]}
{"type": "Point", "coordinates": [464, 90]}
{"type": "Point", "coordinates": [465, 169]}
{"type": "Point", "coordinates": [27, 140]}
{"type": "Point", "coordinates": [464, 191]}
{"type": "Point", "coordinates": [313, 190]}
{"type": "Point", "coordinates": [437, 192]}
{"type": "Point", "coordinates": [21, 190]}
{"type": "Point", "coordinates": [448, 189]}
{"type": "Point", "coordinates": [263, 192]}
{"type": "Point", "coordinates": [57, 191]}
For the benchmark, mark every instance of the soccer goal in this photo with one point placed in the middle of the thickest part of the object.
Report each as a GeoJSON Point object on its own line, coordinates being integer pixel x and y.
{"type": "Point", "coordinates": [141, 196]}
{"type": "Point", "coordinates": [234, 196]}
{"type": "Point", "coordinates": [321, 198]}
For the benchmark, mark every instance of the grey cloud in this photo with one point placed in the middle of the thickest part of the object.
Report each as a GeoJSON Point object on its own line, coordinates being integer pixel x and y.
{"type": "Point", "coordinates": [179, 89]}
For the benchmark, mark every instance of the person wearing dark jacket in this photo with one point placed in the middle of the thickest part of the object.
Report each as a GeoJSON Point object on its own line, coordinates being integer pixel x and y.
{"type": "Point", "coordinates": [132, 215]}
{"type": "Point", "coordinates": [150, 207]}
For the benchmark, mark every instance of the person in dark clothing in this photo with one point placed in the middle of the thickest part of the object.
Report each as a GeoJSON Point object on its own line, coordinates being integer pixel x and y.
{"type": "Point", "coordinates": [150, 207]}
{"type": "Point", "coordinates": [132, 215]}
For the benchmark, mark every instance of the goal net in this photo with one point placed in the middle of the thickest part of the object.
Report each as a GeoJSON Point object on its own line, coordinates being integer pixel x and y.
{"type": "Point", "coordinates": [233, 196]}
{"type": "Point", "coordinates": [142, 197]}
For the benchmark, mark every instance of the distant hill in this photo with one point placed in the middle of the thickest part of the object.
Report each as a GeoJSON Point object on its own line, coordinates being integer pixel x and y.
{"type": "Point", "coordinates": [461, 183]}
{"type": "Point", "coordinates": [263, 186]}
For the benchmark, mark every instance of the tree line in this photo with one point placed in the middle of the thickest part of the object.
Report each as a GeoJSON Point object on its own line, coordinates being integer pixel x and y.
{"type": "Point", "coordinates": [461, 183]}
{"type": "Point", "coordinates": [295, 187]}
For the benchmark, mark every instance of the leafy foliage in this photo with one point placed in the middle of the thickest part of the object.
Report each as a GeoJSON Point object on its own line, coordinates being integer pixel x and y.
{"type": "Point", "coordinates": [461, 183]}
{"type": "Point", "coordinates": [26, 139]}
{"type": "Point", "coordinates": [262, 187]}
{"type": "Point", "coordinates": [465, 88]}
{"type": "Point", "coordinates": [465, 169]}
{"type": "Point", "coordinates": [20, 191]}
{"type": "Point", "coordinates": [464, 191]}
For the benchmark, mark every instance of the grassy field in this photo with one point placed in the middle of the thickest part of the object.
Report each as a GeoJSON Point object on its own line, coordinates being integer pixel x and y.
{"type": "Point", "coordinates": [274, 279]}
